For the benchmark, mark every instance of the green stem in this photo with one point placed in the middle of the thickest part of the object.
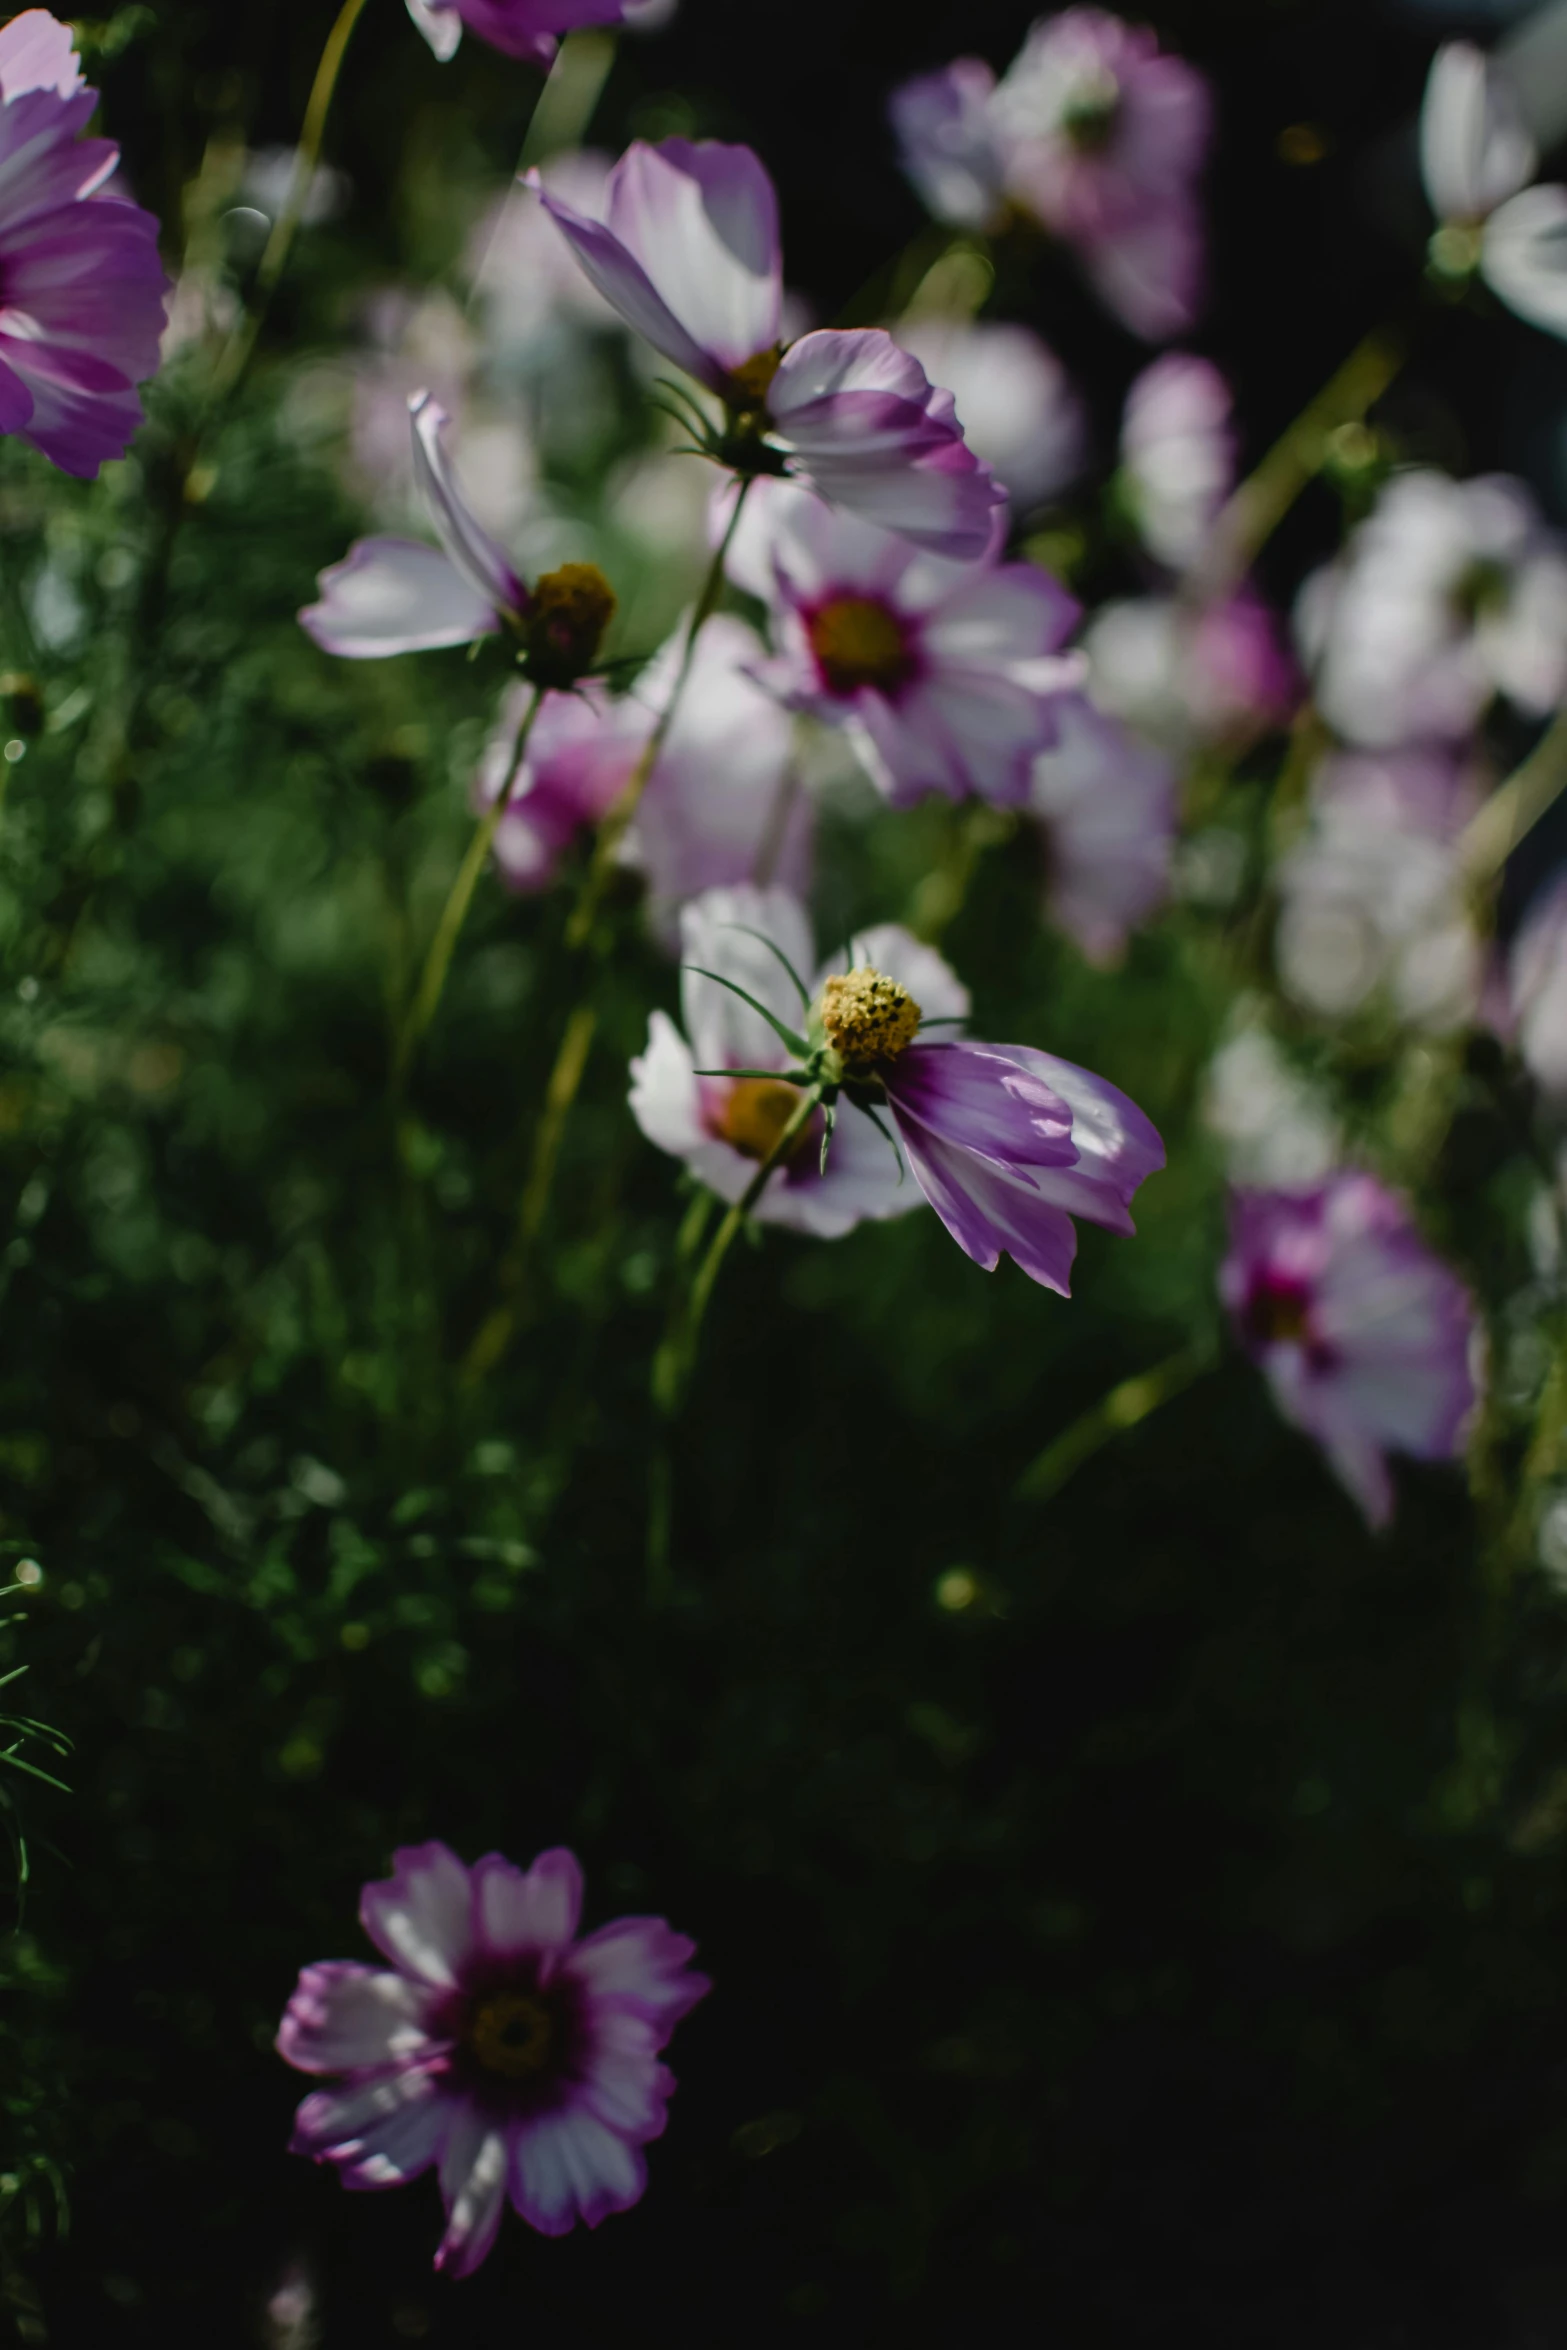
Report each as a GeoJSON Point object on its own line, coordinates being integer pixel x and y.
{"type": "Point", "coordinates": [1516, 806]}
{"type": "Point", "coordinates": [1255, 510]}
{"type": "Point", "coordinates": [1123, 1408]}
{"type": "Point", "coordinates": [448, 930]}
{"type": "Point", "coordinates": [236, 354]}
{"type": "Point", "coordinates": [583, 932]}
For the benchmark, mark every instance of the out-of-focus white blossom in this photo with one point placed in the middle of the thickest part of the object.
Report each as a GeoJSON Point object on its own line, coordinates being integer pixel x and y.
{"type": "Point", "coordinates": [1272, 1124]}
{"type": "Point", "coordinates": [1177, 455]}
{"type": "Point", "coordinates": [1016, 403]}
{"type": "Point", "coordinates": [1105, 805]}
{"type": "Point", "coordinates": [1214, 675]}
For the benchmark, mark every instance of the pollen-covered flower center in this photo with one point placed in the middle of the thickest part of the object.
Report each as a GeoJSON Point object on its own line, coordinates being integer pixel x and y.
{"type": "Point", "coordinates": [563, 627]}
{"type": "Point", "coordinates": [858, 642]}
{"type": "Point", "coordinates": [513, 2034]}
{"type": "Point", "coordinates": [753, 378]}
{"type": "Point", "coordinates": [868, 1017]}
{"type": "Point", "coordinates": [1278, 1311]}
{"type": "Point", "coordinates": [1090, 114]}
{"type": "Point", "coordinates": [753, 1118]}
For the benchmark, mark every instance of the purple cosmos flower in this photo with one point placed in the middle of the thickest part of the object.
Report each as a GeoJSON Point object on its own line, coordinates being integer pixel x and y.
{"type": "Point", "coordinates": [1214, 674]}
{"type": "Point", "coordinates": [945, 675]}
{"type": "Point", "coordinates": [518, 28]}
{"type": "Point", "coordinates": [82, 291]}
{"type": "Point", "coordinates": [1015, 400]}
{"type": "Point", "coordinates": [1373, 900]}
{"type": "Point", "coordinates": [1537, 988]}
{"type": "Point", "coordinates": [688, 252]}
{"type": "Point", "coordinates": [1177, 455]}
{"type": "Point", "coordinates": [393, 595]}
{"type": "Point", "coordinates": [718, 804]}
{"type": "Point", "coordinates": [521, 2060]}
{"type": "Point", "coordinates": [1006, 1143]}
{"type": "Point", "coordinates": [1478, 158]}
{"type": "Point", "coordinates": [723, 1127]}
{"type": "Point", "coordinates": [1363, 1334]}
{"type": "Point", "coordinates": [1105, 805]}
{"type": "Point", "coordinates": [951, 145]}
{"type": "Point", "coordinates": [1449, 593]}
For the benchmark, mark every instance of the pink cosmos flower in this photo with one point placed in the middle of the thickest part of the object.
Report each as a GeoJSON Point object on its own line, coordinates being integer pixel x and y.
{"type": "Point", "coordinates": [1006, 1143]}
{"type": "Point", "coordinates": [688, 253]}
{"type": "Point", "coordinates": [718, 804]}
{"type": "Point", "coordinates": [945, 675]}
{"type": "Point", "coordinates": [1364, 1336]}
{"type": "Point", "coordinates": [723, 1127]}
{"type": "Point", "coordinates": [82, 291]}
{"type": "Point", "coordinates": [520, 2059]}
{"type": "Point", "coordinates": [1015, 401]}
{"type": "Point", "coordinates": [1448, 594]}
{"type": "Point", "coordinates": [1537, 988]}
{"type": "Point", "coordinates": [1214, 674]}
{"type": "Point", "coordinates": [518, 28]}
{"type": "Point", "coordinates": [1177, 455]}
{"type": "Point", "coordinates": [1105, 805]}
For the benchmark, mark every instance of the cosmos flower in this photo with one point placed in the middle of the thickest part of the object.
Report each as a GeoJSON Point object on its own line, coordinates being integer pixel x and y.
{"type": "Point", "coordinates": [392, 595]}
{"type": "Point", "coordinates": [82, 290]}
{"type": "Point", "coordinates": [945, 675]}
{"type": "Point", "coordinates": [1019, 412]}
{"type": "Point", "coordinates": [723, 1127]}
{"type": "Point", "coordinates": [1373, 900]}
{"type": "Point", "coordinates": [1177, 456]}
{"type": "Point", "coordinates": [688, 252]}
{"type": "Point", "coordinates": [1190, 676]}
{"type": "Point", "coordinates": [1363, 1335]}
{"type": "Point", "coordinates": [1105, 806]}
{"type": "Point", "coordinates": [521, 2060]}
{"type": "Point", "coordinates": [518, 28]}
{"type": "Point", "coordinates": [717, 805]}
{"type": "Point", "coordinates": [950, 143]}
{"type": "Point", "coordinates": [1478, 159]}
{"type": "Point", "coordinates": [1006, 1143]}
{"type": "Point", "coordinates": [1448, 594]}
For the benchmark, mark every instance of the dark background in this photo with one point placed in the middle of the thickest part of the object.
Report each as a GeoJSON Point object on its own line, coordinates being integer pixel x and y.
{"type": "Point", "coordinates": [1173, 1945]}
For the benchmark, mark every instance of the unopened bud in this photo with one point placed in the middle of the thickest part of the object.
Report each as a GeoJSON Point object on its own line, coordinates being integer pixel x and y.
{"type": "Point", "coordinates": [563, 627]}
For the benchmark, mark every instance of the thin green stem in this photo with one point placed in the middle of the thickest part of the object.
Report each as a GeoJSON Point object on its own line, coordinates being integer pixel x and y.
{"type": "Point", "coordinates": [448, 930]}
{"type": "Point", "coordinates": [1516, 806]}
{"type": "Point", "coordinates": [1124, 1407]}
{"type": "Point", "coordinates": [1255, 510]}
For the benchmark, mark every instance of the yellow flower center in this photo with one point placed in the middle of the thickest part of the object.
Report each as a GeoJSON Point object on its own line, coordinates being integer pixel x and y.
{"type": "Point", "coordinates": [564, 624]}
{"type": "Point", "coordinates": [859, 642]}
{"type": "Point", "coordinates": [513, 2034]}
{"type": "Point", "coordinates": [755, 1115]}
{"type": "Point", "coordinates": [753, 378]}
{"type": "Point", "coordinates": [868, 1017]}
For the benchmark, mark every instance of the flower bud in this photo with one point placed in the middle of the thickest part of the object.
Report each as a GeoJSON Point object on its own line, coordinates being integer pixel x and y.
{"type": "Point", "coordinates": [563, 627]}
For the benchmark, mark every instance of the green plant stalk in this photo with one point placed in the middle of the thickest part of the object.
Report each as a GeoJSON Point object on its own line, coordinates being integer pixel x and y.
{"type": "Point", "coordinates": [1516, 806]}
{"type": "Point", "coordinates": [1125, 1407]}
{"type": "Point", "coordinates": [584, 934]}
{"type": "Point", "coordinates": [454, 914]}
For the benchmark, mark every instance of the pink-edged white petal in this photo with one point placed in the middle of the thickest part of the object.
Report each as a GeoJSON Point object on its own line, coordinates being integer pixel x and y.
{"type": "Point", "coordinates": [526, 1910]}
{"type": "Point", "coordinates": [625, 285]}
{"type": "Point", "coordinates": [481, 561]}
{"type": "Point", "coordinates": [395, 596]}
{"type": "Point", "coordinates": [37, 52]}
{"type": "Point", "coordinates": [346, 2018]}
{"type": "Point", "coordinates": [950, 142]}
{"type": "Point", "coordinates": [1523, 256]}
{"type": "Point", "coordinates": [702, 219]}
{"type": "Point", "coordinates": [421, 1917]}
{"type": "Point", "coordinates": [570, 2166]}
{"type": "Point", "coordinates": [1475, 148]}
{"type": "Point", "coordinates": [624, 2085]}
{"type": "Point", "coordinates": [380, 2131]}
{"type": "Point", "coordinates": [641, 1965]}
{"type": "Point", "coordinates": [473, 2188]}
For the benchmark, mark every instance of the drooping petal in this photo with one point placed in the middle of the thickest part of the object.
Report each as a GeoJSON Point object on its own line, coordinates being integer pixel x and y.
{"type": "Point", "coordinates": [526, 1910]}
{"type": "Point", "coordinates": [703, 222]}
{"type": "Point", "coordinates": [570, 2166]}
{"type": "Point", "coordinates": [37, 52]}
{"type": "Point", "coordinates": [395, 596]}
{"type": "Point", "coordinates": [347, 2018]}
{"type": "Point", "coordinates": [641, 1965]}
{"type": "Point", "coordinates": [987, 1213]}
{"type": "Point", "coordinates": [421, 1917]}
{"type": "Point", "coordinates": [1523, 256]}
{"type": "Point", "coordinates": [482, 563]}
{"type": "Point", "coordinates": [1118, 1146]}
{"type": "Point", "coordinates": [380, 2131]}
{"type": "Point", "coordinates": [473, 2188]}
{"type": "Point", "coordinates": [1475, 148]}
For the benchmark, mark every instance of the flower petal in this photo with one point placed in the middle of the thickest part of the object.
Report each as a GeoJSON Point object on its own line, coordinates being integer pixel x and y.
{"type": "Point", "coordinates": [987, 1213]}
{"type": "Point", "coordinates": [421, 1917]}
{"type": "Point", "coordinates": [524, 1910]}
{"type": "Point", "coordinates": [640, 1964]}
{"type": "Point", "coordinates": [702, 220]}
{"type": "Point", "coordinates": [1475, 148]}
{"type": "Point", "coordinates": [627, 288]}
{"type": "Point", "coordinates": [38, 53]}
{"type": "Point", "coordinates": [1118, 1148]}
{"type": "Point", "coordinates": [482, 563]}
{"type": "Point", "coordinates": [395, 596]}
{"type": "Point", "coordinates": [348, 2018]}
{"type": "Point", "coordinates": [440, 24]}
{"type": "Point", "coordinates": [982, 1099]}
{"type": "Point", "coordinates": [569, 2166]}
{"type": "Point", "coordinates": [715, 936]}
{"type": "Point", "coordinates": [624, 2085]}
{"type": "Point", "coordinates": [473, 2188]}
{"type": "Point", "coordinates": [379, 2132]}
{"type": "Point", "coordinates": [1523, 257]}
{"type": "Point", "coordinates": [666, 1094]}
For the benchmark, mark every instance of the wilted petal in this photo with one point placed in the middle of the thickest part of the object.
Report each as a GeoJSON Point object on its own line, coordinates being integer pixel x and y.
{"type": "Point", "coordinates": [395, 596]}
